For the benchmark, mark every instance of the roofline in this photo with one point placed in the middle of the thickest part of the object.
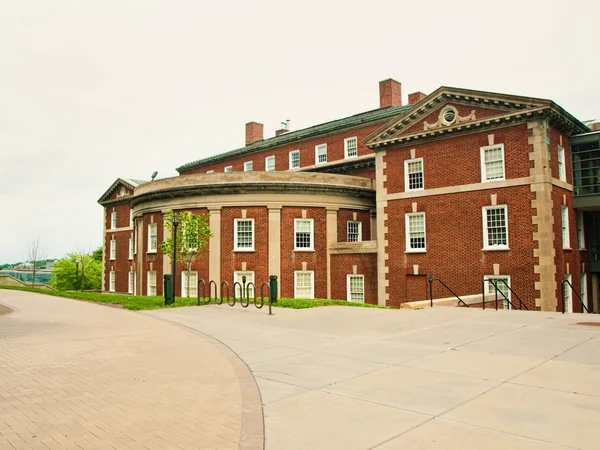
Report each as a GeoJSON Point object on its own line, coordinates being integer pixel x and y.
{"type": "Point", "coordinates": [111, 189]}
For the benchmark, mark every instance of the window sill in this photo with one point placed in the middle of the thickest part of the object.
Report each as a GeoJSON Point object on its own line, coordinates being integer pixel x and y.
{"type": "Point", "coordinates": [350, 157]}
{"type": "Point", "coordinates": [304, 250]}
{"type": "Point", "coordinates": [414, 190]}
{"type": "Point", "coordinates": [130, 258]}
{"type": "Point", "coordinates": [112, 259]}
{"type": "Point", "coordinates": [568, 249]}
{"type": "Point", "coordinates": [493, 249]}
{"type": "Point", "coordinates": [583, 249]}
{"type": "Point", "coordinates": [151, 252]}
{"type": "Point", "coordinates": [243, 250]}
{"type": "Point", "coordinates": [416, 251]}
{"type": "Point", "coordinates": [495, 179]}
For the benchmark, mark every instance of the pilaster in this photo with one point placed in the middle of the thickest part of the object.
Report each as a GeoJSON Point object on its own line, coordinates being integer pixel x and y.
{"type": "Point", "coordinates": [214, 255]}
{"type": "Point", "coordinates": [275, 244]}
{"type": "Point", "coordinates": [332, 219]}
{"type": "Point", "coordinates": [382, 229]}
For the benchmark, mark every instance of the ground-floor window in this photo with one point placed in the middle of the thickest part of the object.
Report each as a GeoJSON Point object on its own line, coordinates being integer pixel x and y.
{"type": "Point", "coordinates": [568, 305]}
{"type": "Point", "coordinates": [152, 282]}
{"type": "Point", "coordinates": [503, 283]}
{"type": "Point", "coordinates": [583, 290]}
{"type": "Point", "coordinates": [113, 281]}
{"type": "Point", "coordinates": [193, 286]}
{"type": "Point", "coordinates": [130, 282]}
{"type": "Point", "coordinates": [355, 288]}
{"type": "Point", "coordinates": [238, 278]}
{"type": "Point", "coordinates": [304, 284]}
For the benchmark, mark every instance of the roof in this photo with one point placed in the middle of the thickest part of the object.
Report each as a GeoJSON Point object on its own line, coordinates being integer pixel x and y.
{"type": "Point", "coordinates": [126, 182]}
{"type": "Point", "coordinates": [364, 118]}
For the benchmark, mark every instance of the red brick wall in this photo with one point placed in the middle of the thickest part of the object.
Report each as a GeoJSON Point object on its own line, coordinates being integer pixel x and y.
{"type": "Point", "coordinates": [457, 161]}
{"type": "Point", "coordinates": [363, 173]}
{"type": "Point", "coordinates": [121, 265]}
{"type": "Point", "coordinates": [554, 143]}
{"type": "Point", "coordinates": [292, 260]}
{"type": "Point", "coordinates": [345, 215]}
{"type": "Point", "coordinates": [123, 219]}
{"type": "Point", "coordinates": [341, 266]}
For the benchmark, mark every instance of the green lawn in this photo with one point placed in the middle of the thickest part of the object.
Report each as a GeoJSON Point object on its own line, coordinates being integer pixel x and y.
{"type": "Point", "coordinates": [137, 303]}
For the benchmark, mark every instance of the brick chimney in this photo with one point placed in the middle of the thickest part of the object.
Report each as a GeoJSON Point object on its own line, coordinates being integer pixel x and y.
{"type": "Point", "coordinates": [280, 132]}
{"type": "Point", "coordinates": [415, 97]}
{"type": "Point", "coordinates": [390, 93]}
{"type": "Point", "coordinates": [254, 132]}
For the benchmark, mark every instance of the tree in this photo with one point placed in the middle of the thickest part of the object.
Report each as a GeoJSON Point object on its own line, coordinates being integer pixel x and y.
{"type": "Point", "coordinates": [66, 277]}
{"type": "Point", "coordinates": [35, 255]}
{"type": "Point", "coordinates": [193, 234]}
{"type": "Point", "coordinates": [97, 255]}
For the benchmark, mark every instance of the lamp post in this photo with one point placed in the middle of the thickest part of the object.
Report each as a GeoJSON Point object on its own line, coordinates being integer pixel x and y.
{"type": "Point", "coordinates": [175, 224]}
{"type": "Point", "coordinates": [76, 274]}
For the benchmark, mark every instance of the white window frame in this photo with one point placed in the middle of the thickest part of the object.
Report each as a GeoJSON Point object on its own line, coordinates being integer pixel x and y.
{"type": "Point", "coordinates": [130, 248]}
{"type": "Point", "coordinates": [312, 283]}
{"type": "Point", "coordinates": [489, 288]}
{"type": "Point", "coordinates": [113, 220]}
{"type": "Point", "coordinates": [131, 218]}
{"type": "Point", "coordinates": [562, 168]}
{"type": "Point", "coordinates": [583, 289]}
{"type": "Point", "coordinates": [318, 148]}
{"type": "Point", "coordinates": [292, 153]}
{"type": "Point", "coordinates": [228, 169]}
{"type": "Point", "coordinates": [346, 155]}
{"type": "Point", "coordinates": [312, 236]}
{"type": "Point", "coordinates": [149, 277]}
{"type": "Point", "coordinates": [359, 230]}
{"type": "Point", "coordinates": [580, 230]}
{"type": "Point", "coordinates": [564, 222]}
{"type": "Point", "coordinates": [112, 281]}
{"type": "Point", "coordinates": [483, 168]}
{"type": "Point", "coordinates": [210, 171]}
{"type": "Point", "coordinates": [113, 249]}
{"type": "Point", "coordinates": [237, 277]}
{"type": "Point", "coordinates": [248, 166]}
{"type": "Point", "coordinates": [407, 178]}
{"type": "Point", "coordinates": [409, 249]}
{"type": "Point", "coordinates": [349, 284]}
{"type": "Point", "coordinates": [152, 227]}
{"type": "Point", "coordinates": [235, 236]}
{"type": "Point", "coordinates": [568, 305]}
{"type": "Point", "coordinates": [267, 159]}
{"type": "Point", "coordinates": [130, 282]}
{"type": "Point", "coordinates": [194, 289]}
{"type": "Point", "coordinates": [486, 246]}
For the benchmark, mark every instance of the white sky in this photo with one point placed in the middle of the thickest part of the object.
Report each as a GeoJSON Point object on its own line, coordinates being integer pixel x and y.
{"type": "Point", "coordinates": [98, 89]}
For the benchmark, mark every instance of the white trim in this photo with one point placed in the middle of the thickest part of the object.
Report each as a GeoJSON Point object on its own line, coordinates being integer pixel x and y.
{"type": "Point", "coordinates": [112, 281]}
{"type": "Point", "coordinates": [210, 171]}
{"type": "Point", "coordinates": [312, 236]}
{"type": "Point", "coordinates": [569, 304]}
{"type": "Point", "coordinates": [346, 147]}
{"type": "Point", "coordinates": [113, 249]}
{"type": "Point", "coordinates": [238, 274]}
{"type": "Point", "coordinates": [130, 248]}
{"type": "Point", "coordinates": [317, 148]}
{"type": "Point", "coordinates": [152, 226]}
{"type": "Point", "coordinates": [409, 249]}
{"type": "Point", "coordinates": [500, 297]}
{"type": "Point", "coordinates": [184, 274]}
{"type": "Point", "coordinates": [293, 152]}
{"type": "Point", "coordinates": [348, 291]}
{"type": "Point", "coordinates": [562, 168]}
{"type": "Point", "coordinates": [113, 220]}
{"type": "Point", "coordinates": [312, 283]}
{"type": "Point", "coordinates": [235, 235]}
{"type": "Point", "coordinates": [583, 290]}
{"type": "Point", "coordinates": [151, 272]}
{"type": "Point", "coordinates": [267, 163]}
{"type": "Point", "coordinates": [406, 179]}
{"type": "Point", "coordinates": [226, 169]}
{"type": "Point", "coordinates": [564, 222]}
{"type": "Point", "coordinates": [359, 230]}
{"type": "Point", "coordinates": [482, 161]}
{"type": "Point", "coordinates": [246, 169]}
{"type": "Point", "coordinates": [484, 210]}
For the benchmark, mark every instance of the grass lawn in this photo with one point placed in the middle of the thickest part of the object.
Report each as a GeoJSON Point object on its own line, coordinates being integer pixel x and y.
{"type": "Point", "coordinates": [137, 303]}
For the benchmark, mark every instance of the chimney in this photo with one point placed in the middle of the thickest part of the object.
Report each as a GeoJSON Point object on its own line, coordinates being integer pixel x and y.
{"type": "Point", "coordinates": [254, 132]}
{"type": "Point", "coordinates": [415, 97]}
{"type": "Point", "coordinates": [390, 93]}
{"type": "Point", "coordinates": [595, 126]}
{"type": "Point", "coordinates": [280, 132]}
{"type": "Point", "coordinates": [285, 127]}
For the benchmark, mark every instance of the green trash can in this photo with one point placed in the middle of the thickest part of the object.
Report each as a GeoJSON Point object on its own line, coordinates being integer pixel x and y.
{"type": "Point", "coordinates": [273, 288]}
{"type": "Point", "coordinates": [168, 289]}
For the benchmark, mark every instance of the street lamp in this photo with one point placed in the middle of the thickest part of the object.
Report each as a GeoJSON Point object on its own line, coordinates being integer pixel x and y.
{"type": "Point", "coordinates": [175, 225]}
{"type": "Point", "coordinates": [76, 274]}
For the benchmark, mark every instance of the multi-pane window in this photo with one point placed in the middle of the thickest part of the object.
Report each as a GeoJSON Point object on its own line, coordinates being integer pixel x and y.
{"type": "Point", "coordinates": [244, 234]}
{"type": "Point", "coordinates": [564, 215]}
{"type": "Point", "coordinates": [248, 166]}
{"type": "Point", "coordinates": [130, 248]}
{"type": "Point", "coordinates": [321, 153]}
{"type": "Point", "coordinates": [304, 284]}
{"type": "Point", "coordinates": [583, 288]}
{"type": "Point", "coordinates": [270, 164]}
{"type": "Point", "coordinates": [295, 159]}
{"type": "Point", "coordinates": [131, 217]}
{"type": "Point", "coordinates": [503, 283]}
{"type": "Point", "coordinates": [492, 163]}
{"type": "Point", "coordinates": [562, 171]}
{"type": "Point", "coordinates": [239, 278]}
{"type": "Point", "coordinates": [152, 237]}
{"type": "Point", "coordinates": [112, 281]}
{"type": "Point", "coordinates": [303, 234]}
{"type": "Point", "coordinates": [355, 287]}
{"type": "Point", "coordinates": [413, 174]}
{"type": "Point", "coordinates": [130, 281]}
{"type": "Point", "coordinates": [151, 282]}
{"type": "Point", "coordinates": [113, 220]}
{"type": "Point", "coordinates": [415, 232]}
{"type": "Point", "coordinates": [568, 304]}
{"type": "Point", "coordinates": [580, 230]}
{"type": "Point", "coordinates": [354, 229]}
{"type": "Point", "coordinates": [228, 169]}
{"type": "Point", "coordinates": [495, 228]}
{"type": "Point", "coordinates": [113, 249]}
{"type": "Point", "coordinates": [193, 286]}
{"type": "Point", "coordinates": [350, 147]}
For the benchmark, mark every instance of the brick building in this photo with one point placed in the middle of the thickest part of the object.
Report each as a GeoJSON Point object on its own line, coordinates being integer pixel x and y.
{"type": "Point", "coordinates": [465, 185]}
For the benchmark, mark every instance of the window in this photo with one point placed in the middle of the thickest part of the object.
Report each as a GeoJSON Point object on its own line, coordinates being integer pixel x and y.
{"type": "Point", "coordinates": [583, 289]}
{"type": "Point", "coordinates": [415, 232]}
{"type": "Point", "coordinates": [228, 169]}
{"type": "Point", "coordinates": [131, 217]}
{"type": "Point", "coordinates": [130, 282]}
{"type": "Point", "coordinates": [562, 171]}
{"type": "Point", "coordinates": [151, 282]}
{"type": "Point", "coordinates": [321, 154]}
{"type": "Point", "coordinates": [568, 304]}
{"type": "Point", "coordinates": [130, 248]}
{"type": "Point", "coordinates": [500, 281]}
{"type": "Point", "coordinates": [113, 249]}
{"type": "Point", "coordinates": [580, 230]}
{"type": "Point", "coordinates": [192, 292]}
{"type": "Point", "coordinates": [248, 166]}
{"type": "Point", "coordinates": [350, 147]}
{"type": "Point", "coordinates": [564, 214]}
{"type": "Point", "coordinates": [413, 174]}
{"type": "Point", "coordinates": [295, 159]}
{"type": "Point", "coordinates": [113, 281]}
{"type": "Point", "coordinates": [495, 228]}
{"type": "Point", "coordinates": [113, 220]}
{"type": "Point", "coordinates": [355, 288]}
{"type": "Point", "coordinates": [270, 164]}
{"type": "Point", "coordinates": [354, 229]}
{"type": "Point", "coordinates": [243, 235]}
{"type": "Point", "coordinates": [492, 163]}
{"type": "Point", "coordinates": [304, 284]}
{"type": "Point", "coordinates": [238, 277]}
{"type": "Point", "coordinates": [303, 234]}
{"type": "Point", "coordinates": [152, 237]}
{"type": "Point", "coordinates": [210, 171]}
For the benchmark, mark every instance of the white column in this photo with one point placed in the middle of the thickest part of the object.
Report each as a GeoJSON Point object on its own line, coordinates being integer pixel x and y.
{"type": "Point", "coordinates": [275, 244]}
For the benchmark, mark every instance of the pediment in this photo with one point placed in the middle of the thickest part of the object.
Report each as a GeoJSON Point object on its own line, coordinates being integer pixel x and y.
{"type": "Point", "coordinates": [121, 190]}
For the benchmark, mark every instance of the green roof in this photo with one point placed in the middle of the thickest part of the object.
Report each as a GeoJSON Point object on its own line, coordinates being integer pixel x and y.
{"type": "Point", "coordinates": [364, 118]}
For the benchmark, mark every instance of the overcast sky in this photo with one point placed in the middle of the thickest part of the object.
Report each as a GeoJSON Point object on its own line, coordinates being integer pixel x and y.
{"type": "Point", "coordinates": [98, 89]}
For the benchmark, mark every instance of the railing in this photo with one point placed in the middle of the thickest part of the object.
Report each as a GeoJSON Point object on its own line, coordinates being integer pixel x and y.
{"type": "Point", "coordinates": [246, 291]}
{"type": "Point", "coordinates": [495, 284]}
{"type": "Point", "coordinates": [431, 279]}
{"type": "Point", "coordinates": [565, 281]}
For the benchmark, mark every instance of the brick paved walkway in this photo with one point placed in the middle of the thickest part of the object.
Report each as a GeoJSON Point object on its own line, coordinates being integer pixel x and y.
{"type": "Point", "coordinates": [76, 375]}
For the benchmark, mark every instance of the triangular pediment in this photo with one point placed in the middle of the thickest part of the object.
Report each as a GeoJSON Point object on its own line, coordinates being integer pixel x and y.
{"type": "Point", "coordinates": [450, 111]}
{"type": "Point", "coordinates": [121, 190]}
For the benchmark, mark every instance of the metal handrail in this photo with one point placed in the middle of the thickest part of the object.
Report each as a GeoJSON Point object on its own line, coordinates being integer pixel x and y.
{"type": "Point", "coordinates": [572, 290]}
{"type": "Point", "coordinates": [431, 279]}
{"type": "Point", "coordinates": [495, 284]}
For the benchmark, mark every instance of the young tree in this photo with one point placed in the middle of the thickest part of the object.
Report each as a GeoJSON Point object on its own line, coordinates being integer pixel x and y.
{"type": "Point", "coordinates": [35, 255]}
{"type": "Point", "coordinates": [193, 234]}
{"type": "Point", "coordinates": [67, 276]}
